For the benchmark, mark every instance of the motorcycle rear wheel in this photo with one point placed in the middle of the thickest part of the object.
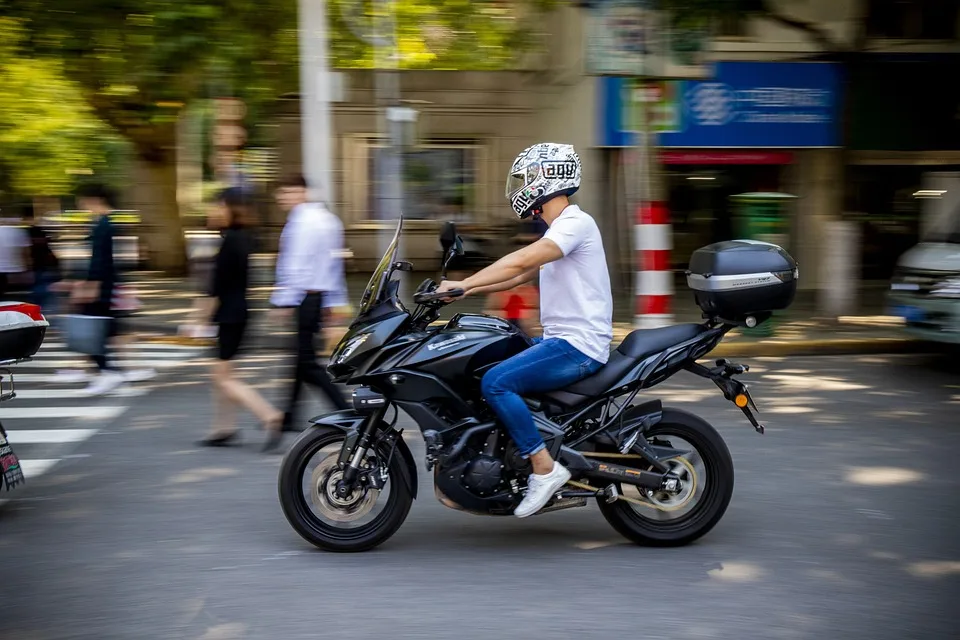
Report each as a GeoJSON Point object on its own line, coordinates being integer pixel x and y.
{"type": "Point", "coordinates": [651, 528]}
{"type": "Point", "coordinates": [315, 530]}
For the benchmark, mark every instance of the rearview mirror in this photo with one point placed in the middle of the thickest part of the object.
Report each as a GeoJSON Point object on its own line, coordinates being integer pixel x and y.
{"type": "Point", "coordinates": [448, 236]}
{"type": "Point", "coordinates": [458, 246]}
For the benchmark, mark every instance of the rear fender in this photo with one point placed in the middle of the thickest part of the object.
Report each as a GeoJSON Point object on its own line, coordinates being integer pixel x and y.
{"type": "Point", "coordinates": [349, 422]}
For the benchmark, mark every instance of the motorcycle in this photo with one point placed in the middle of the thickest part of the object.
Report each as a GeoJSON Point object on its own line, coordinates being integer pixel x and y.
{"type": "Point", "coordinates": [660, 475]}
{"type": "Point", "coordinates": [22, 330]}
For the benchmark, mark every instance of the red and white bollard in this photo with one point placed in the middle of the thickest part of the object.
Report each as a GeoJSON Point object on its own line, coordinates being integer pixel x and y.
{"type": "Point", "coordinates": [654, 280]}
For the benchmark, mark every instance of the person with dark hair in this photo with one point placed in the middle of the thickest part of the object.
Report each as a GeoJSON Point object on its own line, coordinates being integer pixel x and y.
{"type": "Point", "coordinates": [43, 261]}
{"type": "Point", "coordinates": [95, 293]}
{"type": "Point", "coordinates": [229, 289]}
{"type": "Point", "coordinates": [310, 280]}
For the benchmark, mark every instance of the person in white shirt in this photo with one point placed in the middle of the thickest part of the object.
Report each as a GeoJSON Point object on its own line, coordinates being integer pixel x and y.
{"type": "Point", "coordinates": [310, 282]}
{"type": "Point", "coordinates": [576, 305]}
{"type": "Point", "coordinates": [14, 247]}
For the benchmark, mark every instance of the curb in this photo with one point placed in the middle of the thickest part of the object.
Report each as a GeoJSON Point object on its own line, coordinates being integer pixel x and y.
{"type": "Point", "coordinates": [831, 347]}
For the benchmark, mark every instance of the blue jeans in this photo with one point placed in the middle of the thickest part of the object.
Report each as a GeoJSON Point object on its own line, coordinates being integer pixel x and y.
{"type": "Point", "coordinates": [546, 366]}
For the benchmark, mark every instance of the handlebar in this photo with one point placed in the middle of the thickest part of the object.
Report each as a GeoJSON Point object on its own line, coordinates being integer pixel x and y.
{"type": "Point", "coordinates": [431, 296]}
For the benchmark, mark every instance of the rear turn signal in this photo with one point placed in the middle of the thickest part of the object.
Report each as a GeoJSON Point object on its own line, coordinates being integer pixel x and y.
{"type": "Point", "coordinates": [740, 400]}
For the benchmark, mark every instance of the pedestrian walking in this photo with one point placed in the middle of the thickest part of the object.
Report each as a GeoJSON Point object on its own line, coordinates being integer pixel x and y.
{"type": "Point", "coordinates": [14, 254]}
{"type": "Point", "coordinates": [310, 283]}
{"type": "Point", "coordinates": [101, 297]}
{"type": "Point", "coordinates": [229, 289]}
{"type": "Point", "coordinates": [203, 256]}
{"type": "Point", "coordinates": [43, 262]}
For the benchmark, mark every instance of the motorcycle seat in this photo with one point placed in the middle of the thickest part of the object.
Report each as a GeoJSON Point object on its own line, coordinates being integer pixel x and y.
{"type": "Point", "coordinates": [637, 346]}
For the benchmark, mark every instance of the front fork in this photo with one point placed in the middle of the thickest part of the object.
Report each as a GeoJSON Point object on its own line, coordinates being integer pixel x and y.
{"type": "Point", "coordinates": [354, 449]}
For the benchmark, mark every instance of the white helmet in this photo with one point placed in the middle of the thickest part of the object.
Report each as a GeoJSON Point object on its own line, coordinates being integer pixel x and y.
{"type": "Point", "coordinates": [540, 173]}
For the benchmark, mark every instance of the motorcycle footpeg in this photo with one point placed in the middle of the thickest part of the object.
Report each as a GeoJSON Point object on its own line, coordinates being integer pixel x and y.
{"type": "Point", "coordinates": [611, 494]}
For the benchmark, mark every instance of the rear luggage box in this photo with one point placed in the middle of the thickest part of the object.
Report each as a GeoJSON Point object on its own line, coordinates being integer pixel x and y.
{"type": "Point", "coordinates": [738, 279]}
{"type": "Point", "coordinates": [22, 329]}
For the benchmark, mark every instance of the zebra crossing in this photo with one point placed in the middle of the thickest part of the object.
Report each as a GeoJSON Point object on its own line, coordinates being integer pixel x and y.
{"type": "Point", "coordinates": [52, 416]}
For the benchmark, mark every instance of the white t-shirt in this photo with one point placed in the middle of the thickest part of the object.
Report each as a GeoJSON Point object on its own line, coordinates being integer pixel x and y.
{"type": "Point", "coordinates": [575, 300]}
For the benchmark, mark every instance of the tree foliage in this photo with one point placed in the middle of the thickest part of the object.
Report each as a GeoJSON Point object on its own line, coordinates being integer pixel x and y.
{"type": "Point", "coordinates": [139, 62]}
{"type": "Point", "coordinates": [48, 133]}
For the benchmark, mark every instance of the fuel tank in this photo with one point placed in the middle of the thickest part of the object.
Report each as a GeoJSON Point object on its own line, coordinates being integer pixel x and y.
{"type": "Point", "coordinates": [468, 346]}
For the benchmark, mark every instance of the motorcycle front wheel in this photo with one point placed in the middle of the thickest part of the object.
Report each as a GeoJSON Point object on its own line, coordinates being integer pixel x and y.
{"type": "Point", "coordinates": [359, 522]}
{"type": "Point", "coordinates": [660, 519]}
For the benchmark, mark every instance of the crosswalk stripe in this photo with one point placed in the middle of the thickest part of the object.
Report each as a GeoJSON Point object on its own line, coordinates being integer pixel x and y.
{"type": "Point", "coordinates": [89, 413]}
{"type": "Point", "coordinates": [66, 364]}
{"type": "Point", "coordinates": [48, 436]}
{"type": "Point", "coordinates": [48, 378]}
{"type": "Point", "coordinates": [61, 394]}
{"type": "Point", "coordinates": [147, 346]}
{"type": "Point", "coordinates": [165, 355]}
{"type": "Point", "coordinates": [34, 468]}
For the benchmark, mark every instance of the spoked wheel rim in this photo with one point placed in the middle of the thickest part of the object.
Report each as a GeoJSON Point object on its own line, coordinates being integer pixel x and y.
{"type": "Point", "coordinates": [673, 511]}
{"type": "Point", "coordinates": [342, 519]}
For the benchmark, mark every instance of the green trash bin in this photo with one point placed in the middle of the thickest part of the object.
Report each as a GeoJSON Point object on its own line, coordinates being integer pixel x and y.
{"type": "Point", "coordinates": [762, 216]}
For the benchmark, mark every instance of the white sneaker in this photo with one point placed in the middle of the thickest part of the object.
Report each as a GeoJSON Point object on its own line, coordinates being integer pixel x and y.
{"type": "Point", "coordinates": [72, 376]}
{"type": "Point", "coordinates": [106, 382]}
{"type": "Point", "coordinates": [540, 489]}
{"type": "Point", "coordinates": [139, 375]}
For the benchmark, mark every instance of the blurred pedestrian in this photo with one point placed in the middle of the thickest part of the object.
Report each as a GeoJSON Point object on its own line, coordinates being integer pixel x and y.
{"type": "Point", "coordinates": [43, 262]}
{"type": "Point", "coordinates": [202, 263]}
{"type": "Point", "coordinates": [521, 304]}
{"type": "Point", "coordinates": [229, 288]}
{"type": "Point", "coordinates": [14, 255]}
{"type": "Point", "coordinates": [94, 294]}
{"type": "Point", "coordinates": [310, 283]}
{"type": "Point", "coordinates": [100, 296]}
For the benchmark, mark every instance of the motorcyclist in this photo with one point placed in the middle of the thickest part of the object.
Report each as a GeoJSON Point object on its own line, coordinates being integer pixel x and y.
{"type": "Point", "coordinates": [576, 305]}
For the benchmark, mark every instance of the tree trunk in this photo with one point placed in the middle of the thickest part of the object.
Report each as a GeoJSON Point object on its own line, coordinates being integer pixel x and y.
{"type": "Point", "coordinates": [154, 194]}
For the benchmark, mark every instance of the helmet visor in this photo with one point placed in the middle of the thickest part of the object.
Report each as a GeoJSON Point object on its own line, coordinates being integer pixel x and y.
{"type": "Point", "coordinates": [519, 179]}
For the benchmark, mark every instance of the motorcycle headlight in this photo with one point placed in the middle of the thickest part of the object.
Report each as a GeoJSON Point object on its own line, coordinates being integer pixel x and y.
{"type": "Point", "coordinates": [949, 288]}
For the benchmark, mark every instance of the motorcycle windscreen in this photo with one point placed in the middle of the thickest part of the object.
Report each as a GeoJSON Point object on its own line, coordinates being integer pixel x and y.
{"type": "Point", "coordinates": [373, 294]}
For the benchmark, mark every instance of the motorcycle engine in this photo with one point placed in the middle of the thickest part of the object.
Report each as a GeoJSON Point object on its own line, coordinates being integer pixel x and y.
{"type": "Point", "coordinates": [483, 475]}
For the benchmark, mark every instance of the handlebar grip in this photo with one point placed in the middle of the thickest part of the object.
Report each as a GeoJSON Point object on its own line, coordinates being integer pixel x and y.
{"type": "Point", "coordinates": [420, 298]}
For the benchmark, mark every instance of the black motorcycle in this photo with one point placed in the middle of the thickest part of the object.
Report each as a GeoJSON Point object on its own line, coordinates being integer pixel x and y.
{"type": "Point", "coordinates": [661, 476]}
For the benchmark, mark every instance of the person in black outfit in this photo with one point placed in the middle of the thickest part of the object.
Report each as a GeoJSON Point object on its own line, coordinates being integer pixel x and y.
{"type": "Point", "coordinates": [43, 262]}
{"type": "Point", "coordinates": [95, 293]}
{"type": "Point", "coordinates": [229, 289]}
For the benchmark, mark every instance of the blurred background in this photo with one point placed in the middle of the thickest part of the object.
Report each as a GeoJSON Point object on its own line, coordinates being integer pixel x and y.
{"type": "Point", "coordinates": [835, 116]}
{"type": "Point", "coordinates": [830, 127]}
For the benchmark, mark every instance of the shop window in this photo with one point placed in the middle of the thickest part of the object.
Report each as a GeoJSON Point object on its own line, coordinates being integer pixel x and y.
{"type": "Point", "coordinates": [439, 182]}
{"type": "Point", "coordinates": [733, 25]}
{"type": "Point", "coordinates": [913, 19]}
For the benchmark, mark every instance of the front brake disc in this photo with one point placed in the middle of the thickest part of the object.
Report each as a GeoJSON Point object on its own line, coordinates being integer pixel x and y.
{"type": "Point", "coordinates": [323, 494]}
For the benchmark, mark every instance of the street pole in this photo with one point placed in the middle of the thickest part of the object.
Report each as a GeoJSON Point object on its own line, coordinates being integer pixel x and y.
{"type": "Point", "coordinates": [388, 171]}
{"type": "Point", "coordinates": [315, 98]}
{"type": "Point", "coordinates": [386, 63]}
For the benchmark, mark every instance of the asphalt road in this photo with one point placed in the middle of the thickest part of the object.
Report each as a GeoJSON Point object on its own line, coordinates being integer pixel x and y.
{"type": "Point", "coordinates": [843, 524]}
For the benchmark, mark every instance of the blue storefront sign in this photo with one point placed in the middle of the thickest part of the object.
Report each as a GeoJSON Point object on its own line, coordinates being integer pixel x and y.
{"type": "Point", "coordinates": [743, 105]}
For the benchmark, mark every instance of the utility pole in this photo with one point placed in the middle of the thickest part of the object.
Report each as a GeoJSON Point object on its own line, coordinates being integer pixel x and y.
{"type": "Point", "coordinates": [315, 98]}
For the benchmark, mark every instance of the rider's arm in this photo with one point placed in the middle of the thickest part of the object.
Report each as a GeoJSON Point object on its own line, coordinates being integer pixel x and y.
{"type": "Point", "coordinates": [511, 267]}
{"type": "Point", "coordinates": [509, 284]}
